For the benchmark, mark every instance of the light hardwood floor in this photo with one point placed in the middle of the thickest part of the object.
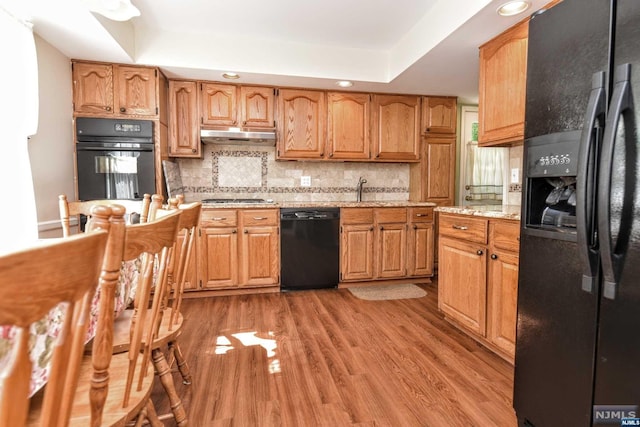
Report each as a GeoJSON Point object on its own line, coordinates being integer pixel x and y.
{"type": "Point", "coordinates": [327, 358]}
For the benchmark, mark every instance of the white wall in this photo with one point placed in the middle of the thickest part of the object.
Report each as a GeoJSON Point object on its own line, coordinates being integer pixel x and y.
{"type": "Point", "coordinates": [51, 149]}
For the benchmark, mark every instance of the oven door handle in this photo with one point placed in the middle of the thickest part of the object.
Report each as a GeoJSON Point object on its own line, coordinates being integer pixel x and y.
{"type": "Point", "coordinates": [585, 193]}
{"type": "Point", "coordinates": [109, 149]}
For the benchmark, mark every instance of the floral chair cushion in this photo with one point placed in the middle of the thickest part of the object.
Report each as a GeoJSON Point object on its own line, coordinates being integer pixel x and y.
{"type": "Point", "coordinates": [45, 331]}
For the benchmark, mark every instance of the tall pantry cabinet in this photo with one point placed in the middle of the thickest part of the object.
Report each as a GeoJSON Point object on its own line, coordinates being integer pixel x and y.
{"type": "Point", "coordinates": [433, 178]}
{"type": "Point", "coordinates": [126, 92]}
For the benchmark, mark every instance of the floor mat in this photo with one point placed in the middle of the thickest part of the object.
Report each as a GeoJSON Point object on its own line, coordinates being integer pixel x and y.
{"type": "Point", "coordinates": [385, 292]}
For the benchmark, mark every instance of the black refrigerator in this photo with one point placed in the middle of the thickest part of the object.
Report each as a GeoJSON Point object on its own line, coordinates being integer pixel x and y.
{"type": "Point", "coordinates": [577, 359]}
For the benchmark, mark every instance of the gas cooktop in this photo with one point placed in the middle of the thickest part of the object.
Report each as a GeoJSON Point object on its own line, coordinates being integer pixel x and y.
{"type": "Point", "coordinates": [234, 201]}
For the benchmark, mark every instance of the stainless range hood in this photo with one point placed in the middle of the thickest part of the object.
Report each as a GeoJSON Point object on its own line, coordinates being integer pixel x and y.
{"type": "Point", "coordinates": [237, 136]}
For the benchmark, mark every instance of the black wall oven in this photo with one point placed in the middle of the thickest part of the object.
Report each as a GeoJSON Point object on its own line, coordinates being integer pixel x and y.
{"type": "Point", "coordinates": [114, 158]}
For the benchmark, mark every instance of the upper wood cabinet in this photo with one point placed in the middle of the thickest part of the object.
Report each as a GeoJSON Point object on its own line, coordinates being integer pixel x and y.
{"type": "Point", "coordinates": [502, 89]}
{"type": "Point", "coordinates": [219, 104]}
{"type": "Point", "coordinates": [439, 115]}
{"type": "Point", "coordinates": [396, 127]}
{"type": "Point", "coordinates": [301, 124]}
{"type": "Point", "coordinates": [433, 179]}
{"type": "Point", "coordinates": [257, 105]}
{"type": "Point", "coordinates": [440, 170]}
{"type": "Point", "coordinates": [184, 138]}
{"type": "Point", "coordinates": [115, 90]}
{"type": "Point", "coordinates": [92, 88]}
{"type": "Point", "coordinates": [242, 106]}
{"type": "Point", "coordinates": [137, 91]}
{"type": "Point", "coordinates": [348, 124]}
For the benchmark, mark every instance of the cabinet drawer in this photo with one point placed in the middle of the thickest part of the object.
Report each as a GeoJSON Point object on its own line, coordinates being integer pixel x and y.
{"type": "Point", "coordinates": [505, 235]}
{"type": "Point", "coordinates": [356, 215]}
{"type": "Point", "coordinates": [251, 217]}
{"type": "Point", "coordinates": [421, 214]}
{"type": "Point", "coordinates": [219, 218]}
{"type": "Point", "coordinates": [463, 227]}
{"type": "Point", "coordinates": [389, 215]}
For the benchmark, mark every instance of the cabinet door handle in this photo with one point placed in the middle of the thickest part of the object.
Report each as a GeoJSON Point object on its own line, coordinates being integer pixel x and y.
{"type": "Point", "coordinates": [218, 218]}
{"type": "Point", "coordinates": [494, 256]}
{"type": "Point", "coordinates": [244, 122]}
{"type": "Point", "coordinates": [107, 108]}
{"type": "Point", "coordinates": [193, 150]}
{"type": "Point", "coordinates": [479, 252]}
{"type": "Point", "coordinates": [234, 231]}
{"type": "Point", "coordinates": [381, 228]}
{"type": "Point", "coordinates": [246, 231]}
{"type": "Point", "coordinates": [371, 229]}
{"type": "Point", "coordinates": [122, 109]}
{"type": "Point", "coordinates": [419, 215]}
{"type": "Point", "coordinates": [259, 218]}
{"type": "Point", "coordinates": [415, 227]}
{"type": "Point", "coordinates": [460, 227]}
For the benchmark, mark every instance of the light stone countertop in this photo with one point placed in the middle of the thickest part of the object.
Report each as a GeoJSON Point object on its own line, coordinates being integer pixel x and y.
{"type": "Point", "coordinates": [488, 211]}
{"type": "Point", "coordinates": [311, 204]}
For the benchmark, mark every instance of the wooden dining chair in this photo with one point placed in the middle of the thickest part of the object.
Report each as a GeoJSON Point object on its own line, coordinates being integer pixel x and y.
{"type": "Point", "coordinates": [159, 315]}
{"type": "Point", "coordinates": [32, 283]}
{"type": "Point", "coordinates": [170, 319]}
{"type": "Point", "coordinates": [76, 208]}
{"type": "Point", "coordinates": [114, 389]}
{"type": "Point", "coordinates": [184, 253]}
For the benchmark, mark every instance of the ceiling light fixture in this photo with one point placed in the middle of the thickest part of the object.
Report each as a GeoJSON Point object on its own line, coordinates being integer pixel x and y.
{"type": "Point", "coordinates": [230, 75]}
{"type": "Point", "coordinates": [344, 83]}
{"type": "Point", "coordinates": [513, 8]}
{"type": "Point", "coordinates": [116, 10]}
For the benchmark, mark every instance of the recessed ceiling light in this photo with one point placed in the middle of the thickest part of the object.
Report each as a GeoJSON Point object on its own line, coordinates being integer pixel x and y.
{"type": "Point", "coordinates": [230, 75]}
{"type": "Point", "coordinates": [344, 83]}
{"type": "Point", "coordinates": [513, 8]}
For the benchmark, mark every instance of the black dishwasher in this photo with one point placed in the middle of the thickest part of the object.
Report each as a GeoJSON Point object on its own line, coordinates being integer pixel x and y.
{"type": "Point", "coordinates": [310, 245]}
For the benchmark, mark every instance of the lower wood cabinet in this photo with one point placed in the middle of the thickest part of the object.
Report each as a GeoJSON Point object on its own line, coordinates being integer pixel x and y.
{"type": "Point", "coordinates": [356, 244]}
{"type": "Point", "coordinates": [421, 242]}
{"type": "Point", "coordinates": [238, 248]}
{"type": "Point", "coordinates": [478, 278]}
{"type": "Point", "coordinates": [502, 295]}
{"type": "Point", "coordinates": [191, 281]}
{"type": "Point", "coordinates": [462, 273]}
{"type": "Point", "coordinates": [386, 243]}
{"type": "Point", "coordinates": [390, 242]}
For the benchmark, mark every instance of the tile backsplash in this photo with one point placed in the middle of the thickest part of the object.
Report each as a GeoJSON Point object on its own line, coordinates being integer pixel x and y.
{"type": "Point", "coordinates": [228, 171]}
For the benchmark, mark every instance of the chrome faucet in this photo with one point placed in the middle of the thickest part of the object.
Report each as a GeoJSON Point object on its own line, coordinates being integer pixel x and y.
{"type": "Point", "coordinates": [361, 181]}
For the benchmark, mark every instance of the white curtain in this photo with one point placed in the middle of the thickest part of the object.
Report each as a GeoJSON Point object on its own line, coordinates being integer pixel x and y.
{"type": "Point", "coordinates": [18, 120]}
{"type": "Point", "coordinates": [486, 169]}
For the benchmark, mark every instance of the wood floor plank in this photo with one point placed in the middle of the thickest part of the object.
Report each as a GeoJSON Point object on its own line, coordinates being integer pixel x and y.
{"type": "Point", "coordinates": [327, 358]}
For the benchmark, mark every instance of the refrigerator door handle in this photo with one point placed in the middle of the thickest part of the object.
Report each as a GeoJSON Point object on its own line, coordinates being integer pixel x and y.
{"type": "Point", "coordinates": [585, 190]}
{"type": "Point", "coordinates": [611, 261]}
